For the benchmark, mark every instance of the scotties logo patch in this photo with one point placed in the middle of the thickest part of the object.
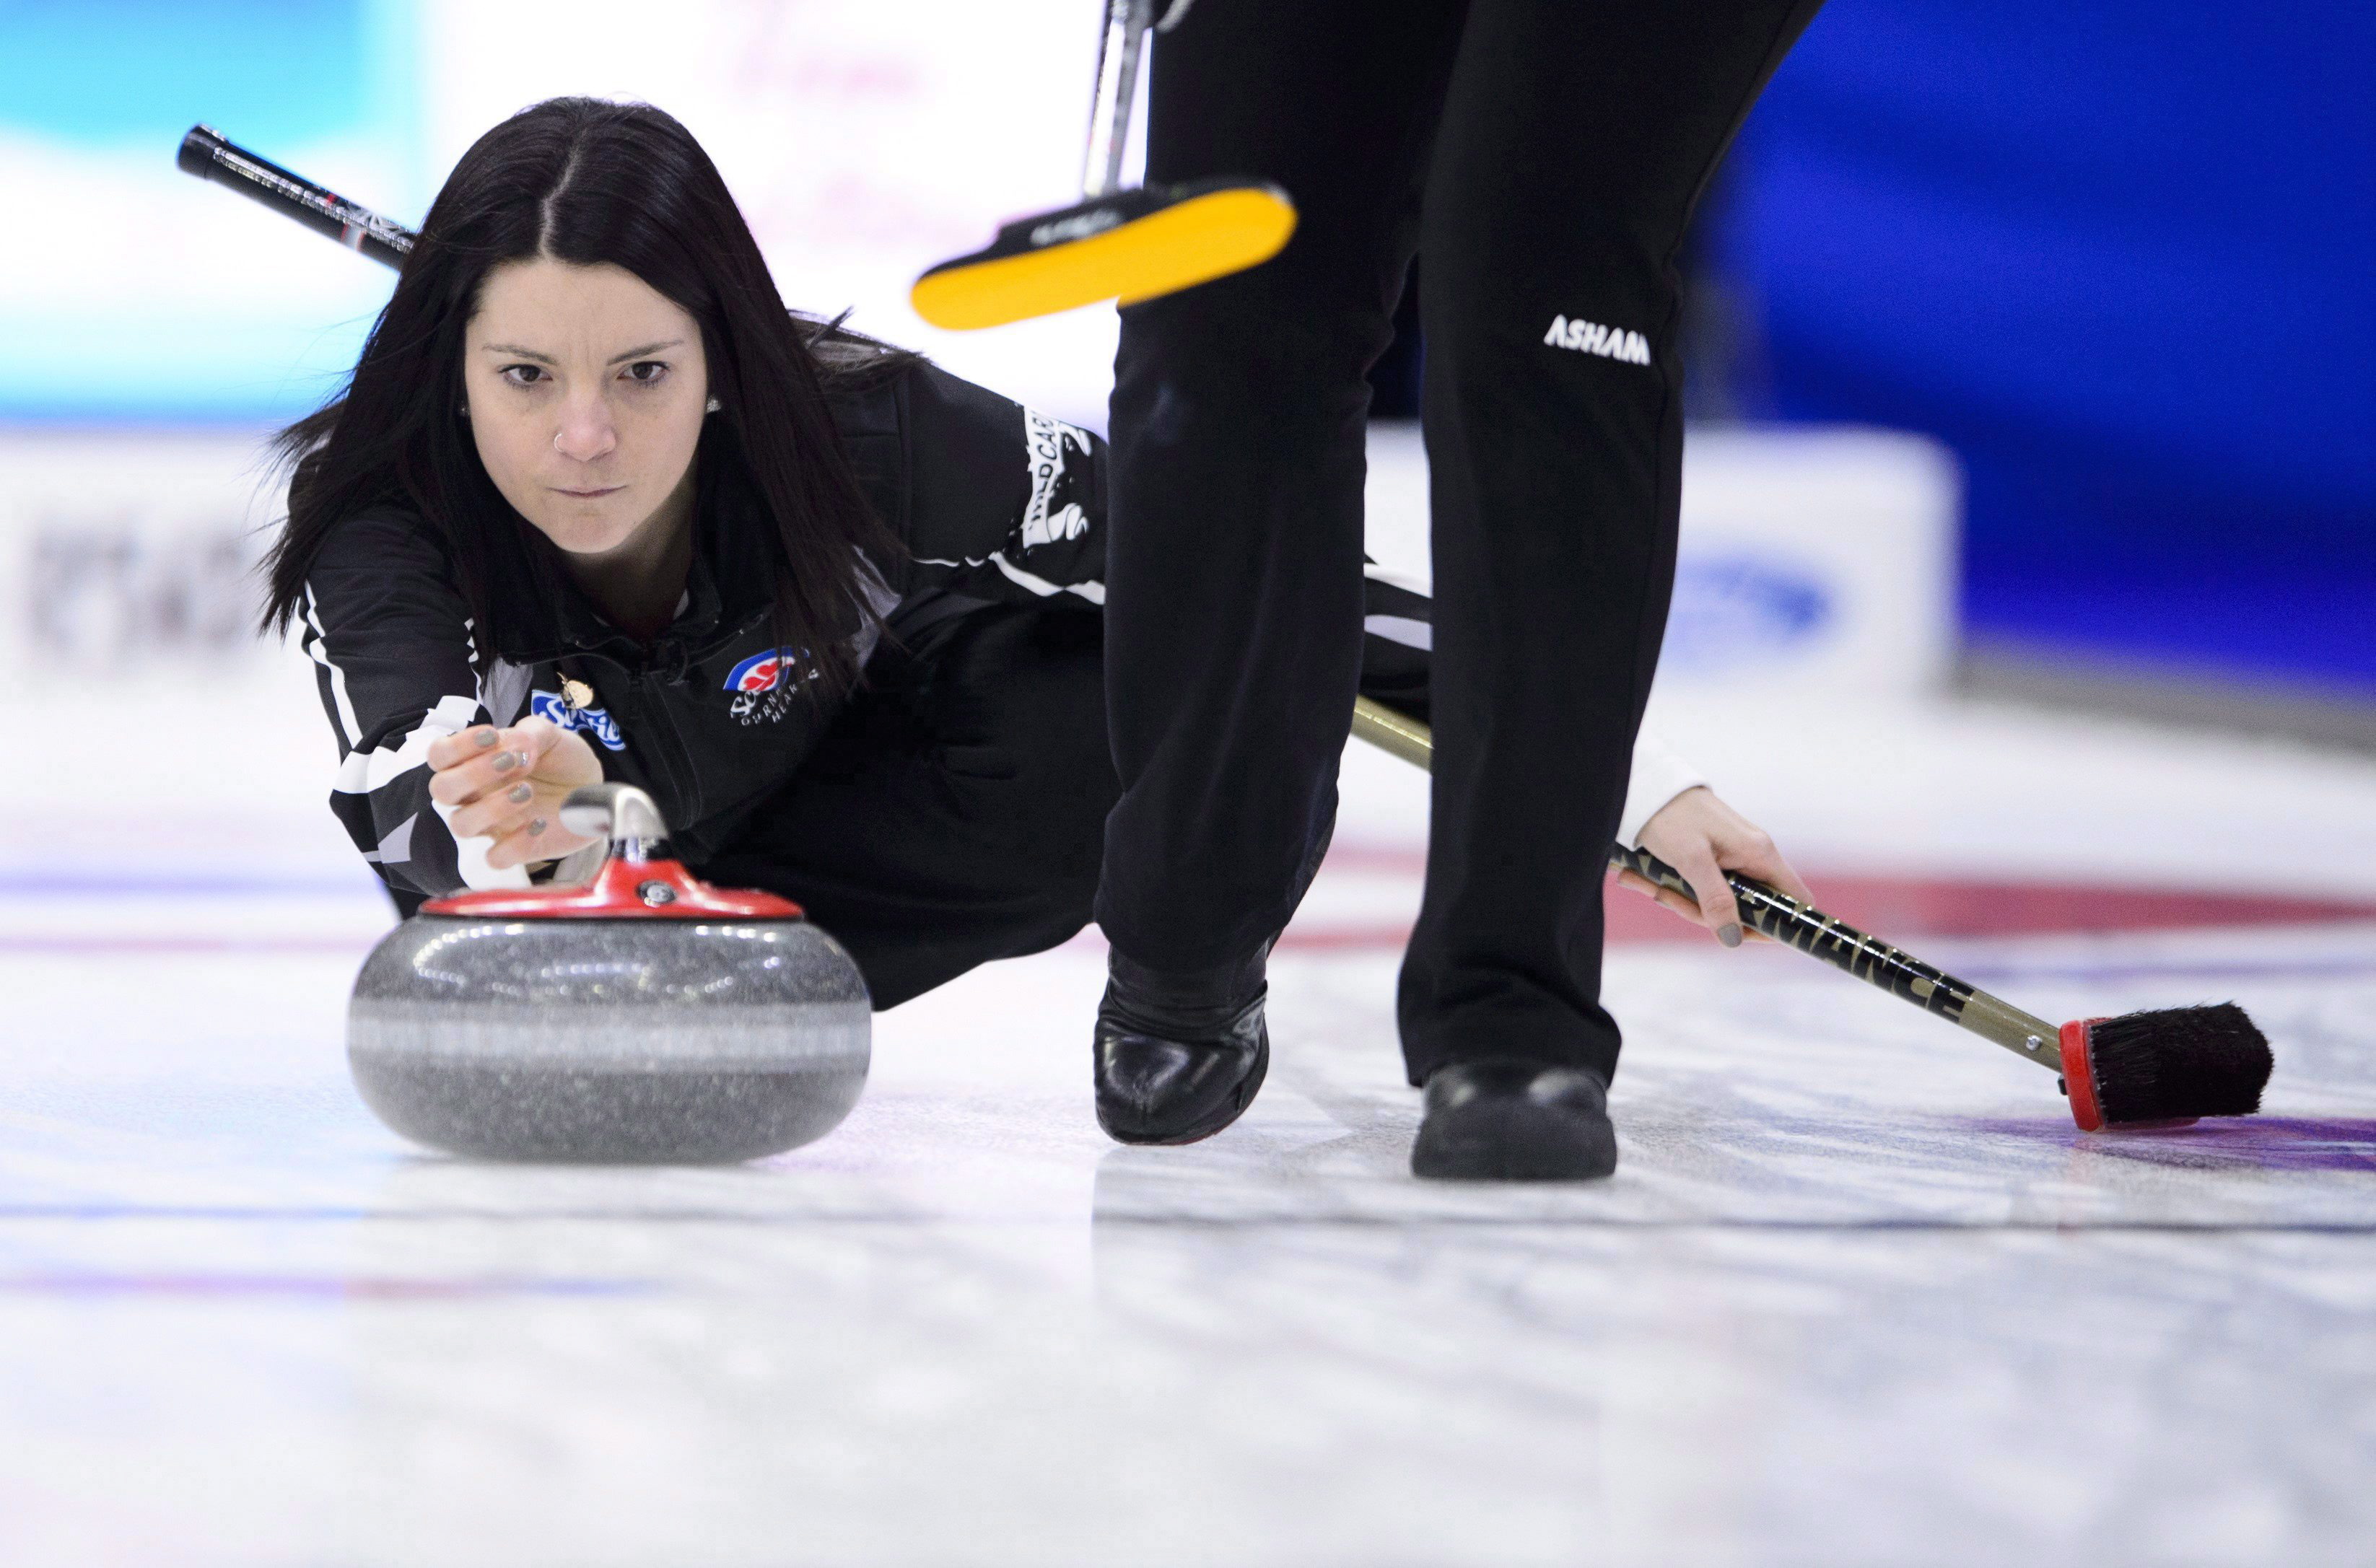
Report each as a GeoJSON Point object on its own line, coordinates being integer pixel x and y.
{"type": "Point", "coordinates": [594, 721]}
{"type": "Point", "coordinates": [760, 673]}
{"type": "Point", "coordinates": [763, 684]}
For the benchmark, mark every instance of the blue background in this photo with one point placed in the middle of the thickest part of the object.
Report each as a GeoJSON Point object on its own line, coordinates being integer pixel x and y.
{"type": "Point", "coordinates": [2119, 257]}
{"type": "Point", "coordinates": [133, 75]}
{"type": "Point", "coordinates": [109, 87]}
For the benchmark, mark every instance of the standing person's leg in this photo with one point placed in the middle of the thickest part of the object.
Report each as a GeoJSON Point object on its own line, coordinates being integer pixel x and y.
{"type": "Point", "coordinates": [1234, 563]}
{"type": "Point", "coordinates": [1573, 144]}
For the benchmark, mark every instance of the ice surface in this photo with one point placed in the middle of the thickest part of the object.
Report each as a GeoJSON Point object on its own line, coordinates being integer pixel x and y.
{"type": "Point", "coordinates": [1858, 1294]}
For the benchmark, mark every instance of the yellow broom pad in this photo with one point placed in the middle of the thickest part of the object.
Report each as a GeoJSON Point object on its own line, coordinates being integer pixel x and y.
{"type": "Point", "coordinates": [1176, 248]}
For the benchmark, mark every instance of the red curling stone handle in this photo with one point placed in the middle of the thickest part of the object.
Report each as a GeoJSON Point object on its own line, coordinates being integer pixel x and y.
{"type": "Point", "coordinates": [622, 890]}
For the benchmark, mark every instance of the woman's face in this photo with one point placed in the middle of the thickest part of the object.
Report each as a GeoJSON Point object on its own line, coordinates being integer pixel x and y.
{"type": "Point", "coordinates": [585, 388]}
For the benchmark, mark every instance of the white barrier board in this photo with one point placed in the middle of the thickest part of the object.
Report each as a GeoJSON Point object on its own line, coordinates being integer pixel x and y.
{"type": "Point", "coordinates": [132, 552]}
{"type": "Point", "coordinates": [1809, 558]}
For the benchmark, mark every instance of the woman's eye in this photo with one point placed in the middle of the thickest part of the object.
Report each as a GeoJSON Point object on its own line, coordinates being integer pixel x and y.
{"type": "Point", "coordinates": [646, 373]}
{"type": "Point", "coordinates": [522, 375]}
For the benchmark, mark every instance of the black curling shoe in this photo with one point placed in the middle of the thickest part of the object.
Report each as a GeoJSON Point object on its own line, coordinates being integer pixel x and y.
{"type": "Point", "coordinates": [1178, 1060]}
{"type": "Point", "coordinates": [1508, 1120]}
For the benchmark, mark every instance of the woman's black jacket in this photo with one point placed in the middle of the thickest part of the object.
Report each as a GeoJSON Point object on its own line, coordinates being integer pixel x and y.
{"type": "Point", "coordinates": [994, 502]}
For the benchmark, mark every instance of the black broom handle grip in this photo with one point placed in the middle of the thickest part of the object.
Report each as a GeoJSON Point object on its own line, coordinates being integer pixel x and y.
{"type": "Point", "coordinates": [1866, 957]}
{"type": "Point", "coordinates": [208, 154]}
{"type": "Point", "coordinates": [1783, 918]}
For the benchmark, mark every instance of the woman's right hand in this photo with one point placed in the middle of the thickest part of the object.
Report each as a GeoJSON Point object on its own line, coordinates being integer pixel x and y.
{"type": "Point", "coordinates": [507, 785]}
{"type": "Point", "coordinates": [1702, 837]}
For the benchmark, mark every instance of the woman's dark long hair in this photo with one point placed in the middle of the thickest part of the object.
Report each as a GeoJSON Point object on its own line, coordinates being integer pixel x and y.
{"type": "Point", "coordinates": [586, 182]}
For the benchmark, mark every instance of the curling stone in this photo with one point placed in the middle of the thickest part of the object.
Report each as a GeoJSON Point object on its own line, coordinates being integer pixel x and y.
{"type": "Point", "coordinates": [641, 1017]}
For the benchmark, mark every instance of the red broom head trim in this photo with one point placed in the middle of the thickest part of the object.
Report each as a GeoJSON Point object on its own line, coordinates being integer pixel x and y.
{"type": "Point", "coordinates": [2079, 1076]}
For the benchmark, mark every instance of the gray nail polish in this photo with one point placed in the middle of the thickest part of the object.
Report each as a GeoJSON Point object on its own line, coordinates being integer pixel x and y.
{"type": "Point", "coordinates": [485, 738]}
{"type": "Point", "coordinates": [522, 793]}
{"type": "Point", "coordinates": [535, 827]}
{"type": "Point", "coordinates": [506, 761]}
{"type": "Point", "coordinates": [1730, 935]}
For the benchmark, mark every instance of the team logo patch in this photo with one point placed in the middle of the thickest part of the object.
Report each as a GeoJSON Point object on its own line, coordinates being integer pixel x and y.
{"type": "Point", "coordinates": [757, 673]}
{"type": "Point", "coordinates": [1059, 454]}
{"type": "Point", "coordinates": [762, 684]}
{"type": "Point", "coordinates": [594, 721]}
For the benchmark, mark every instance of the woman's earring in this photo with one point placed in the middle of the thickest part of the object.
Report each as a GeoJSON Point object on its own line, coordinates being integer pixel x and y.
{"type": "Point", "coordinates": [713, 406]}
{"type": "Point", "coordinates": [462, 410]}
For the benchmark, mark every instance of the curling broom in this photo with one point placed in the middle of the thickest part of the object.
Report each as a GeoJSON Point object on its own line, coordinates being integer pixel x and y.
{"type": "Point", "coordinates": [2156, 1069]}
{"type": "Point", "coordinates": [208, 155]}
{"type": "Point", "coordinates": [1136, 244]}
{"type": "Point", "coordinates": [1115, 242]}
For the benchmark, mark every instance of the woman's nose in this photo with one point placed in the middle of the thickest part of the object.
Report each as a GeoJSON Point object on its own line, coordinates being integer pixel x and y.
{"type": "Point", "coordinates": [586, 432]}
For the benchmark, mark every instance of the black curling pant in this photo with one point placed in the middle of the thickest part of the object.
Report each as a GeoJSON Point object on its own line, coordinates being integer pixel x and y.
{"type": "Point", "coordinates": [1546, 155]}
{"type": "Point", "coordinates": [952, 813]}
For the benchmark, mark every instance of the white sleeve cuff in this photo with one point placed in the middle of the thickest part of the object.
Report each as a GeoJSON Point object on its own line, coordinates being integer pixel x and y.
{"type": "Point", "coordinates": [470, 858]}
{"type": "Point", "coordinates": [1659, 774]}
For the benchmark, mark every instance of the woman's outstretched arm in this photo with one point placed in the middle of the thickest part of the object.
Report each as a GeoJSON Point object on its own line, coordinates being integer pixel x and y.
{"type": "Point", "coordinates": [390, 638]}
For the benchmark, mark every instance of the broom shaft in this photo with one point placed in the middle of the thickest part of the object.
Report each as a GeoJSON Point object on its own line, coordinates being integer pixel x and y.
{"type": "Point", "coordinates": [209, 155]}
{"type": "Point", "coordinates": [1119, 51]}
{"type": "Point", "coordinates": [1785, 919]}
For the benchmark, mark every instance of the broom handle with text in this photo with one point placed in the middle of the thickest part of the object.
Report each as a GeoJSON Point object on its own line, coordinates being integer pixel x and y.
{"type": "Point", "coordinates": [1783, 918]}
{"type": "Point", "coordinates": [208, 154]}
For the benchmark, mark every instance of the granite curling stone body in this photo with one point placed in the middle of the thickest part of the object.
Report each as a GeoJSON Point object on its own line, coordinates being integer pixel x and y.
{"type": "Point", "coordinates": [641, 1017]}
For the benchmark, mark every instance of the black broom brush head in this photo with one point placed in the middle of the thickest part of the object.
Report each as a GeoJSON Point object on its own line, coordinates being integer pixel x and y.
{"type": "Point", "coordinates": [2173, 1064]}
